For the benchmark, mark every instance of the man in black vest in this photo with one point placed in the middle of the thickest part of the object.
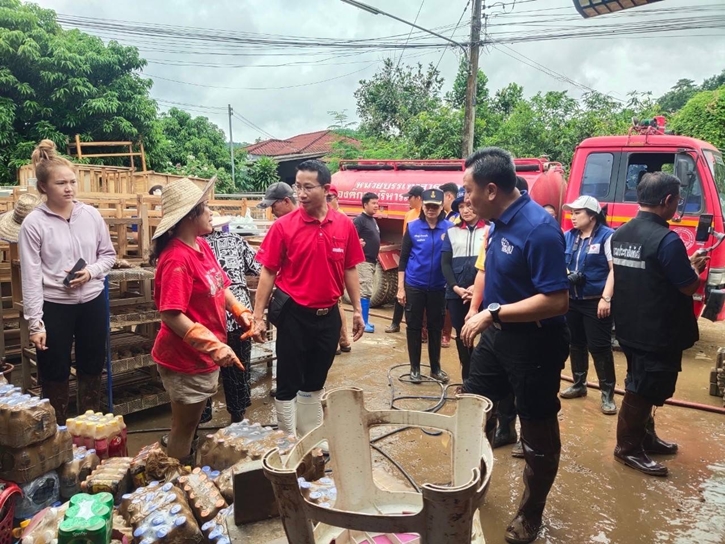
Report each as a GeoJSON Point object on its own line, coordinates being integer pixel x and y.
{"type": "Point", "coordinates": [654, 281]}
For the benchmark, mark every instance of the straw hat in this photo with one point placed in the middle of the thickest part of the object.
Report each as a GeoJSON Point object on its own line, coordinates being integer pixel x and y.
{"type": "Point", "coordinates": [10, 221]}
{"type": "Point", "coordinates": [177, 200]}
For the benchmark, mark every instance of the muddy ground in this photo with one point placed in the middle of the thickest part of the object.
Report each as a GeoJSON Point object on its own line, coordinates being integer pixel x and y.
{"type": "Point", "coordinates": [594, 499]}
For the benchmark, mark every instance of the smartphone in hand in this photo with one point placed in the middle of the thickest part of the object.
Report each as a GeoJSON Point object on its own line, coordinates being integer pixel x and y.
{"type": "Point", "coordinates": [80, 265]}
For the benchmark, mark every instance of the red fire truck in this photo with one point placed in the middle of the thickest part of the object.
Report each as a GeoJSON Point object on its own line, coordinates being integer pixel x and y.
{"type": "Point", "coordinates": [391, 179]}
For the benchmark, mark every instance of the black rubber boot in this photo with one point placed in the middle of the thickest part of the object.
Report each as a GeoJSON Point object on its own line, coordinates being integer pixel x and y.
{"type": "Point", "coordinates": [542, 448]}
{"type": "Point", "coordinates": [506, 430]}
{"type": "Point", "coordinates": [604, 365]}
{"type": "Point", "coordinates": [579, 358]}
{"type": "Point", "coordinates": [88, 395]}
{"type": "Point", "coordinates": [435, 340]}
{"type": "Point", "coordinates": [464, 356]}
{"type": "Point", "coordinates": [653, 443]}
{"type": "Point", "coordinates": [414, 351]}
{"type": "Point", "coordinates": [415, 374]}
{"type": "Point", "coordinates": [57, 394]}
{"type": "Point", "coordinates": [633, 417]}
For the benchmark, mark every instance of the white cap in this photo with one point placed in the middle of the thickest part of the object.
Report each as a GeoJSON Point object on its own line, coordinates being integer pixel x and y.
{"type": "Point", "coordinates": [584, 202]}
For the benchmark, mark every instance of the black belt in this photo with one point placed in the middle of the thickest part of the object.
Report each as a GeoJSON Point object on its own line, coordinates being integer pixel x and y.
{"type": "Point", "coordinates": [317, 312]}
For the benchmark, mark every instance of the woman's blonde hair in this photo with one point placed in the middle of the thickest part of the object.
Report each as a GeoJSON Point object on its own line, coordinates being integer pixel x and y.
{"type": "Point", "coordinates": [45, 158]}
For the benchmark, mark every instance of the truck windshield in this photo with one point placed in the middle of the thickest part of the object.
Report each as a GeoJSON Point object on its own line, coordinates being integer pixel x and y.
{"type": "Point", "coordinates": [717, 168]}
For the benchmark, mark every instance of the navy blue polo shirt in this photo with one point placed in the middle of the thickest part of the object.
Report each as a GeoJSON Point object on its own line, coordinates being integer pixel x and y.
{"type": "Point", "coordinates": [525, 256]}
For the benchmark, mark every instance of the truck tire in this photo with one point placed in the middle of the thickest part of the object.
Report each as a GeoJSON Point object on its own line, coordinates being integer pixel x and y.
{"type": "Point", "coordinates": [385, 286]}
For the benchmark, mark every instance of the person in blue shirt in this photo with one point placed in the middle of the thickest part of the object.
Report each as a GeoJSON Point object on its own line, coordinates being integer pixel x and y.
{"type": "Point", "coordinates": [421, 284]}
{"type": "Point", "coordinates": [591, 279]}
{"type": "Point", "coordinates": [524, 338]}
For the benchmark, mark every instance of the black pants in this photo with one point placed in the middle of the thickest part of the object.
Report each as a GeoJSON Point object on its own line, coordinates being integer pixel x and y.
{"type": "Point", "coordinates": [525, 362]}
{"type": "Point", "coordinates": [306, 346]}
{"type": "Point", "coordinates": [87, 325]}
{"type": "Point", "coordinates": [652, 375]}
{"type": "Point", "coordinates": [237, 392]}
{"type": "Point", "coordinates": [458, 311]}
{"type": "Point", "coordinates": [433, 305]}
{"type": "Point", "coordinates": [587, 330]}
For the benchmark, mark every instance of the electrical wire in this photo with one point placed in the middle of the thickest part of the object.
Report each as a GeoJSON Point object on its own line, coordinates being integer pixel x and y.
{"type": "Point", "coordinates": [409, 34]}
{"type": "Point", "coordinates": [454, 31]}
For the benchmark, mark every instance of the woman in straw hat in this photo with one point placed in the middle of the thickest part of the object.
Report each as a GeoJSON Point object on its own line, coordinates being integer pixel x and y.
{"type": "Point", "coordinates": [192, 293]}
{"type": "Point", "coordinates": [10, 221]}
{"type": "Point", "coordinates": [52, 239]}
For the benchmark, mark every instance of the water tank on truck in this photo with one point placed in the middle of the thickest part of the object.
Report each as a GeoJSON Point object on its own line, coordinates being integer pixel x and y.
{"type": "Point", "coordinates": [391, 179]}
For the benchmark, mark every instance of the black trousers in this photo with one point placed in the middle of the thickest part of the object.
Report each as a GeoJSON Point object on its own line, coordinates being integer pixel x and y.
{"type": "Point", "coordinates": [432, 304]}
{"type": "Point", "coordinates": [65, 323]}
{"type": "Point", "coordinates": [458, 311]}
{"type": "Point", "coordinates": [237, 392]}
{"type": "Point", "coordinates": [306, 346]}
{"type": "Point", "coordinates": [525, 362]}
{"type": "Point", "coordinates": [652, 375]}
{"type": "Point", "coordinates": [587, 330]}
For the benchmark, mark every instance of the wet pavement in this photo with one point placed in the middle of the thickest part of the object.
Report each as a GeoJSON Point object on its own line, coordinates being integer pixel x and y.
{"type": "Point", "coordinates": [594, 499]}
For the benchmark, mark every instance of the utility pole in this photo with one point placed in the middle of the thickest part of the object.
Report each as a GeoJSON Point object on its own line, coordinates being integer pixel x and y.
{"type": "Point", "coordinates": [231, 142]}
{"type": "Point", "coordinates": [469, 120]}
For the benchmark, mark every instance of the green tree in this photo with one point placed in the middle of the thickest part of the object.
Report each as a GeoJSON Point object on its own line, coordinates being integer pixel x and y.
{"type": "Point", "coordinates": [678, 95]}
{"type": "Point", "coordinates": [262, 173]}
{"type": "Point", "coordinates": [395, 95]}
{"type": "Point", "coordinates": [340, 120]}
{"type": "Point", "coordinates": [56, 83]}
{"type": "Point", "coordinates": [703, 117]}
{"type": "Point", "coordinates": [456, 97]}
{"type": "Point", "coordinates": [714, 82]}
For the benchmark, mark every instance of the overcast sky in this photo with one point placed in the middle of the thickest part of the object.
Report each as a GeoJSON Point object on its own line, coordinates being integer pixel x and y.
{"type": "Point", "coordinates": [611, 64]}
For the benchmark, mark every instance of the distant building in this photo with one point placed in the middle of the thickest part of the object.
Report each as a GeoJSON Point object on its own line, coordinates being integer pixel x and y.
{"type": "Point", "coordinates": [291, 152]}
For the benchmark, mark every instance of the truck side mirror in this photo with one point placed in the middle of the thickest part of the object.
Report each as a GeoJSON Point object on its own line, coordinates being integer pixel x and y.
{"type": "Point", "coordinates": [703, 227]}
{"type": "Point", "coordinates": [684, 169]}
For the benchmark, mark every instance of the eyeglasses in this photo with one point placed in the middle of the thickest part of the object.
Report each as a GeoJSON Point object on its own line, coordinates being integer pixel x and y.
{"type": "Point", "coordinates": [330, 198]}
{"type": "Point", "coordinates": [305, 188]}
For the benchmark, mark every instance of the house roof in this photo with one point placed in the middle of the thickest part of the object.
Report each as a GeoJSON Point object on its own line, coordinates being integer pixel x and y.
{"type": "Point", "coordinates": [312, 142]}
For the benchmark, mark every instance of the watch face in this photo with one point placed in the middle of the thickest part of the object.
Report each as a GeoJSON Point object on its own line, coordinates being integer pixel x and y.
{"type": "Point", "coordinates": [494, 307]}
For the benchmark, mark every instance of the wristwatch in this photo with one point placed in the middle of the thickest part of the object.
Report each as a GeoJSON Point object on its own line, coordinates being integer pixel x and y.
{"type": "Point", "coordinates": [608, 300]}
{"type": "Point", "coordinates": [494, 308]}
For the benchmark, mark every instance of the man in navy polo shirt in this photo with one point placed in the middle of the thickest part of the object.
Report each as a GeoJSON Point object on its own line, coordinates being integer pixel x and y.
{"type": "Point", "coordinates": [524, 339]}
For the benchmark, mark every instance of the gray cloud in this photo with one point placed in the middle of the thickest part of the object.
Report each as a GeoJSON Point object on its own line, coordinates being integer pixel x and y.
{"type": "Point", "coordinates": [614, 65]}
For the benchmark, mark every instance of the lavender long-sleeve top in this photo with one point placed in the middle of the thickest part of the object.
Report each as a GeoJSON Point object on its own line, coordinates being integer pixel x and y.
{"type": "Point", "coordinates": [49, 245]}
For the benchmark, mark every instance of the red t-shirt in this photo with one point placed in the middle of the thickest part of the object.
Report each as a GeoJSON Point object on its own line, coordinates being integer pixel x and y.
{"type": "Point", "coordinates": [311, 256]}
{"type": "Point", "coordinates": [193, 283]}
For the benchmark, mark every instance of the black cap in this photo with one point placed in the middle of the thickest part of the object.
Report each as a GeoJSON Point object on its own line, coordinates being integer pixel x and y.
{"type": "Point", "coordinates": [276, 191]}
{"type": "Point", "coordinates": [433, 196]}
{"type": "Point", "coordinates": [415, 190]}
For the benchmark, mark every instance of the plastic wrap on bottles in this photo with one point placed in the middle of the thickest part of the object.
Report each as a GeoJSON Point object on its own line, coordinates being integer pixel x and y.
{"type": "Point", "coordinates": [43, 528]}
{"type": "Point", "coordinates": [111, 476]}
{"type": "Point", "coordinates": [241, 441]}
{"type": "Point", "coordinates": [121, 528]}
{"type": "Point", "coordinates": [321, 492]}
{"type": "Point", "coordinates": [76, 470]}
{"type": "Point", "coordinates": [88, 520]}
{"type": "Point", "coordinates": [23, 465]}
{"type": "Point", "coordinates": [203, 496]}
{"type": "Point", "coordinates": [146, 501]}
{"type": "Point", "coordinates": [37, 495]}
{"type": "Point", "coordinates": [24, 420]}
{"type": "Point", "coordinates": [172, 526]}
{"type": "Point", "coordinates": [105, 433]}
{"type": "Point", "coordinates": [152, 463]}
{"type": "Point", "coordinates": [225, 482]}
{"type": "Point", "coordinates": [215, 530]}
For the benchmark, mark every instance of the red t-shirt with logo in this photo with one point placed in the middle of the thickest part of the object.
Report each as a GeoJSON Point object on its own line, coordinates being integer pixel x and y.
{"type": "Point", "coordinates": [311, 256]}
{"type": "Point", "coordinates": [193, 283]}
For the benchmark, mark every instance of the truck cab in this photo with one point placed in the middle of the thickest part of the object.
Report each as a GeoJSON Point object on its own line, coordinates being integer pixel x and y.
{"type": "Point", "coordinates": [609, 169]}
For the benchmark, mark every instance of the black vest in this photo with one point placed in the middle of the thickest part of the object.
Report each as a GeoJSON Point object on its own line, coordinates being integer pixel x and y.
{"type": "Point", "coordinates": [649, 312]}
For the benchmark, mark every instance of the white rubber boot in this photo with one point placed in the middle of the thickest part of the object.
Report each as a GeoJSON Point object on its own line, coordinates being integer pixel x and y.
{"type": "Point", "coordinates": [286, 415]}
{"type": "Point", "coordinates": [309, 413]}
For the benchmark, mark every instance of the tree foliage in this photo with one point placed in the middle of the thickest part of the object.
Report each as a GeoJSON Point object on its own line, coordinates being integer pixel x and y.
{"type": "Point", "coordinates": [703, 117]}
{"type": "Point", "coordinates": [395, 95]}
{"type": "Point", "coordinates": [56, 83]}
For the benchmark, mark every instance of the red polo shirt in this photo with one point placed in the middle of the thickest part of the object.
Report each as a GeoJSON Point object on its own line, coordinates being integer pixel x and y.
{"type": "Point", "coordinates": [311, 256]}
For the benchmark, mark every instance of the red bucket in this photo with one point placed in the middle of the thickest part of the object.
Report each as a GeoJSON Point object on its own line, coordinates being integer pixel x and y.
{"type": "Point", "coordinates": [7, 510]}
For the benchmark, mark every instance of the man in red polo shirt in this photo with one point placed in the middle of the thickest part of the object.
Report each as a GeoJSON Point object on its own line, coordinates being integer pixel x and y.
{"type": "Point", "coordinates": [311, 255]}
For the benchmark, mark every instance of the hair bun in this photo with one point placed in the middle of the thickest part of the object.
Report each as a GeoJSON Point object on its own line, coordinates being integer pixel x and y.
{"type": "Point", "coordinates": [44, 151]}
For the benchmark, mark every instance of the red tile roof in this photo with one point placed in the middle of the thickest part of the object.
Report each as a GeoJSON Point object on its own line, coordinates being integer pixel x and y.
{"type": "Point", "coordinates": [312, 142]}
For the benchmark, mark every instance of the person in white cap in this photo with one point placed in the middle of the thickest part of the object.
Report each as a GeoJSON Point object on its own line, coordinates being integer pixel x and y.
{"type": "Point", "coordinates": [193, 295]}
{"type": "Point", "coordinates": [591, 284]}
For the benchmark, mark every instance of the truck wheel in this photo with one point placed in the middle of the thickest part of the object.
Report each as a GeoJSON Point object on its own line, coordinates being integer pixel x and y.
{"type": "Point", "coordinates": [385, 285]}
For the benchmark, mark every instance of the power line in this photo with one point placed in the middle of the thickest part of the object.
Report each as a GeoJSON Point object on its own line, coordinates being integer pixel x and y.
{"type": "Point", "coordinates": [251, 125]}
{"type": "Point", "coordinates": [409, 33]}
{"type": "Point", "coordinates": [454, 31]}
{"type": "Point", "coordinates": [257, 88]}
